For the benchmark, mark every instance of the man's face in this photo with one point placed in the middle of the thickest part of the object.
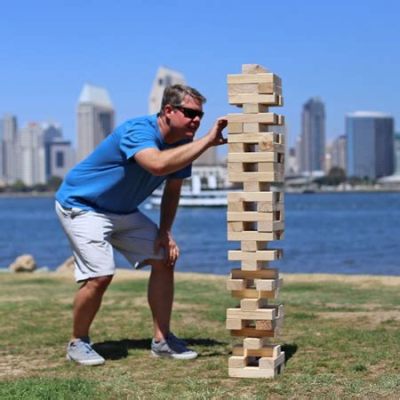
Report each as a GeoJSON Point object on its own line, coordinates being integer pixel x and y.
{"type": "Point", "coordinates": [185, 118]}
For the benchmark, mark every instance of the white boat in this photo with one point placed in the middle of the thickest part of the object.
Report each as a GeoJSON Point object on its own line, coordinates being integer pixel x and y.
{"type": "Point", "coordinates": [204, 198]}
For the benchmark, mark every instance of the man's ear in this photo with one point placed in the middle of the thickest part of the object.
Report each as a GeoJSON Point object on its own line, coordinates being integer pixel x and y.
{"type": "Point", "coordinates": [168, 109]}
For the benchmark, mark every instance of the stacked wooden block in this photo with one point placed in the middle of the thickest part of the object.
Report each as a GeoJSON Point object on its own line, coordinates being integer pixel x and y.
{"type": "Point", "coordinates": [255, 217]}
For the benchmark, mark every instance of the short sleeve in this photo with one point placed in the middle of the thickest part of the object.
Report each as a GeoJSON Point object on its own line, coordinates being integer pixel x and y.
{"type": "Point", "coordinates": [138, 137]}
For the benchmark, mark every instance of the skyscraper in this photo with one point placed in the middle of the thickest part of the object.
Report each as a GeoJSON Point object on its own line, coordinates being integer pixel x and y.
{"type": "Point", "coordinates": [11, 164]}
{"type": "Point", "coordinates": [312, 140]}
{"type": "Point", "coordinates": [32, 155]}
{"type": "Point", "coordinates": [165, 77]}
{"type": "Point", "coordinates": [95, 119]}
{"type": "Point", "coordinates": [370, 144]}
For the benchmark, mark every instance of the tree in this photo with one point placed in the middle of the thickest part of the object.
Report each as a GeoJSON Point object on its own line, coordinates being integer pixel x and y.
{"type": "Point", "coordinates": [54, 183]}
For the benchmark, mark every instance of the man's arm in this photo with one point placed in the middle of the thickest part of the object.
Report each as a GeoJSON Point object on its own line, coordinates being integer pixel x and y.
{"type": "Point", "coordinates": [165, 162]}
{"type": "Point", "coordinates": [169, 205]}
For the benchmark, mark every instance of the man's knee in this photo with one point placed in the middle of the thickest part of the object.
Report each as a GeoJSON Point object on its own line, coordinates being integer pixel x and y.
{"type": "Point", "coordinates": [160, 265]}
{"type": "Point", "coordinates": [99, 284]}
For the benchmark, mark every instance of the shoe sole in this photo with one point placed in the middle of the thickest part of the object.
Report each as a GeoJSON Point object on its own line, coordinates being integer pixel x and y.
{"type": "Point", "coordinates": [174, 356]}
{"type": "Point", "coordinates": [86, 362]}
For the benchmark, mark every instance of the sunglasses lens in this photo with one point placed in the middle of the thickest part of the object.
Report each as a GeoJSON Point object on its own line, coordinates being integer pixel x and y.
{"type": "Point", "coordinates": [190, 113]}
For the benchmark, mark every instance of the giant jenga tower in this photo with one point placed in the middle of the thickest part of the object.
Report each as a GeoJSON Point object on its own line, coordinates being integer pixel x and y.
{"type": "Point", "coordinates": [255, 217]}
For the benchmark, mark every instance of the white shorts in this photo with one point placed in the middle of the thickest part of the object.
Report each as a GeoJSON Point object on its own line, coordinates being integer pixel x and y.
{"type": "Point", "coordinates": [93, 237]}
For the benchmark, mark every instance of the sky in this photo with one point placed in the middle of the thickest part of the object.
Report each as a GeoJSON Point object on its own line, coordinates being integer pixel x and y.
{"type": "Point", "coordinates": [345, 52]}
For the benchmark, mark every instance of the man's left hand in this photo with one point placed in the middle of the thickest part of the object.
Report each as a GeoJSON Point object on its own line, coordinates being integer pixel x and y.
{"type": "Point", "coordinates": [171, 249]}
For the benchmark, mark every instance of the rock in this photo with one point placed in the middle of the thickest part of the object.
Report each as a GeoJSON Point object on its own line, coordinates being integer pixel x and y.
{"type": "Point", "coordinates": [67, 266]}
{"type": "Point", "coordinates": [24, 263]}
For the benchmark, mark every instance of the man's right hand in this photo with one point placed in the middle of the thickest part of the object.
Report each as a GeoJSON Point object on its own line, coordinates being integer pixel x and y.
{"type": "Point", "coordinates": [214, 136]}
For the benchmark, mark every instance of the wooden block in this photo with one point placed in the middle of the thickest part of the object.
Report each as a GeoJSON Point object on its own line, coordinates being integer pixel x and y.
{"type": "Point", "coordinates": [237, 362]}
{"type": "Point", "coordinates": [266, 206]}
{"type": "Point", "coordinates": [255, 127]}
{"type": "Point", "coordinates": [235, 284]}
{"type": "Point", "coordinates": [262, 255]}
{"type": "Point", "coordinates": [235, 127]}
{"type": "Point", "coordinates": [254, 78]}
{"type": "Point", "coordinates": [254, 108]}
{"type": "Point", "coordinates": [252, 245]}
{"type": "Point", "coordinates": [253, 304]}
{"type": "Point", "coordinates": [273, 197]}
{"type": "Point", "coordinates": [270, 166]}
{"type": "Point", "coordinates": [269, 157]}
{"type": "Point", "coordinates": [237, 206]}
{"type": "Point", "coordinates": [236, 147]}
{"type": "Point", "coordinates": [257, 137]}
{"type": "Point", "coordinates": [253, 265]}
{"type": "Point", "coordinates": [254, 98]}
{"type": "Point", "coordinates": [255, 235]}
{"type": "Point", "coordinates": [266, 226]}
{"type": "Point", "coordinates": [256, 176]}
{"type": "Point", "coordinates": [257, 344]}
{"type": "Point", "coordinates": [265, 325]}
{"type": "Point", "coordinates": [256, 186]}
{"type": "Point", "coordinates": [272, 362]}
{"type": "Point", "coordinates": [252, 332]}
{"type": "Point", "coordinates": [251, 372]}
{"type": "Point", "coordinates": [253, 216]}
{"type": "Point", "coordinates": [267, 284]}
{"type": "Point", "coordinates": [268, 273]}
{"type": "Point", "coordinates": [261, 118]}
{"type": "Point", "coordinates": [234, 324]}
{"type": "Point", "coordinates": [269, 313]}
{"type": "Point", "coordinates": [253, 294]}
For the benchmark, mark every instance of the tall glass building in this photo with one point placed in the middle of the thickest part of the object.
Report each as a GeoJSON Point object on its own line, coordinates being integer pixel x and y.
{"type": "Point", "coordinates": [370, 144]}
{"type": "Point", "coordinates": [95, 119]}
{"type": "Point", "coordinates": [312, 141]}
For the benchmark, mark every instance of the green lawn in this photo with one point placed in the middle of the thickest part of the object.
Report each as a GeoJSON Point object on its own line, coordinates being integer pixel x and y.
{"type": "Point", "coordinates": [342, 341]}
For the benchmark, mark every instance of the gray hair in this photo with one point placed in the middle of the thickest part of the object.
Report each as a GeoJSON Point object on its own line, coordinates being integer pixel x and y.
{"type": "Point", "coordinates": [175, 94]}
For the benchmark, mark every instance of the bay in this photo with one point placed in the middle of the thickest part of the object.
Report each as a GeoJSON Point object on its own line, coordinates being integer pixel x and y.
{"type": "Point", "coordinates": [344, 233]}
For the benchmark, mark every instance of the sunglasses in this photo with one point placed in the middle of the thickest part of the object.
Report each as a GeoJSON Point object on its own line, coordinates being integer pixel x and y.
{"type": "Point", "coordinates": [189, 112]}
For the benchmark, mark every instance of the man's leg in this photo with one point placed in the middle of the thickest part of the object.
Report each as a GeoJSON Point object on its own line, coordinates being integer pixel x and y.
{"type": "Point", "coordinates": [160, 297]}
{"type": "Point", "coordinates": [87, 303]}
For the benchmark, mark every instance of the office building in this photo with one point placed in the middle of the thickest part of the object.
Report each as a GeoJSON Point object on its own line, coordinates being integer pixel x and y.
{"type": "Point", "coordinates": [60, 158]}
{"type": "Point", "coordinates": [95, 119]}
{"type": "Point", "coordinates": [32, 155]}
{"type": "Point", "coordinates": [312, 139]}
{"type": "Point", "coordinates": [11, 165]}
{"type": "Point", "coordinates": [51, 133]}
{"type": "Point", "coordinates": [338, 152]}
{"type": "Point", "coordinates": [370, 144]}
{"type": "Point", "coordinates": [165, 77]}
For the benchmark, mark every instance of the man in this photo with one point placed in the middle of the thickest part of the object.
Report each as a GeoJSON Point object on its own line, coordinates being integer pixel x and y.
{"type": "Point", "coordinates": [97, 206]}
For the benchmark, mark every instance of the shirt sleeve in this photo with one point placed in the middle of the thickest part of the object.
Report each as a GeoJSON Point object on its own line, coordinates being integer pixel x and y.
{"type": "Point", "coordinates": [137, 137]}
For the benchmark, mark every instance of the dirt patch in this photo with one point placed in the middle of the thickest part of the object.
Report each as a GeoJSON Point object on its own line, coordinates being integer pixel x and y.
{"type": "Point", "coordinates": [369, 318]}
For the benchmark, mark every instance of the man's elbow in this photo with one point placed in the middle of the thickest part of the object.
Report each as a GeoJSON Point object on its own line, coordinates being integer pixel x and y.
{"type": "Point", "coordinates": [158, 169]}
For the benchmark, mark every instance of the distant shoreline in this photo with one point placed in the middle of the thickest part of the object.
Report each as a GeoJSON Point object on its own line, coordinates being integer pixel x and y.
{"type": "Point", "coordinates": [288, 192]}
{"type": "Point", "coordinates": [128, 274]}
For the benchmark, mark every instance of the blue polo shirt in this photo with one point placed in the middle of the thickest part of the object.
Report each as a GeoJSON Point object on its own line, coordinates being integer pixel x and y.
{"type": "Point", "coordinates": [109, 179]}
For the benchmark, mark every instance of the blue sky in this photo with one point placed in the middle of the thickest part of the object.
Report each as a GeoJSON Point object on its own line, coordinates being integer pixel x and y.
{"type": "Point", "coordinates": [346, 52]}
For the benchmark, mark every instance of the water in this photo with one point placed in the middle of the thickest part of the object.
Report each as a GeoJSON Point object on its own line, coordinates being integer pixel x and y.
{"type": "Point", "coordinates": [351, 233]}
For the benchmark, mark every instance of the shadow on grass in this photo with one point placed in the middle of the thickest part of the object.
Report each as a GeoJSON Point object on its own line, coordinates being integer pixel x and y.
{"type": "Point", "coordinates": [118, 349]}
{"type": "Point", "coordinates": [290, 350]}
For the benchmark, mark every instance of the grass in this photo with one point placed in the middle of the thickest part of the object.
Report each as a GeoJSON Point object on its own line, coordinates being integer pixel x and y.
{"type": "Point", "coordinates": [342, 341]}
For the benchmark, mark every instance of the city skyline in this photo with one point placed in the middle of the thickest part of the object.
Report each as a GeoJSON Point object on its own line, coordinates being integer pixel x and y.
{"type": "Point", "coordinates": [341, 52]}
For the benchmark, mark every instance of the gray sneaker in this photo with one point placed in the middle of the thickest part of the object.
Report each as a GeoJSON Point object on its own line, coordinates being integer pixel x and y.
{"type": "Point", "coordinates": [81, 352]}
{"type": "Point", "coordinates": [172, 347]}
